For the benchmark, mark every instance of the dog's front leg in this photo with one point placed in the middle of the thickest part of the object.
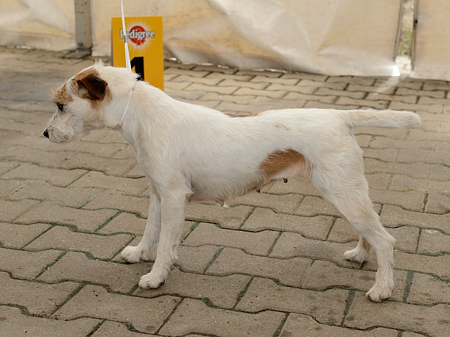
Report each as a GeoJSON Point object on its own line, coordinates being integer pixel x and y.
{"type": "Point", "coordinates": [172, 219]}
{"type": "Point", "coordinates": [141, 252]}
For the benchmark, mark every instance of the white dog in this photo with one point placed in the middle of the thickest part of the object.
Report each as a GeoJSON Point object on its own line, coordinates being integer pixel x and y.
{"type": "Point", "coordinates": [190, 152]}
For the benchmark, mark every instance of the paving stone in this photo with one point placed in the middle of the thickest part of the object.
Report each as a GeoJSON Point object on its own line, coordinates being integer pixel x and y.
{"type": "Point", "coordinates": [111, 199]}
{"type": "Point", "coordinates": [381, 142]}
{"type": "Point", "coordinates": [438, 203]}
{"type": "Point", "coordinates": [219, 291]}
{"type": "Point", "coordinates": [228, 217]}
{"type": "Point", "coordinates": [432, 321]}
{"type": "Point", "coordinates": [416, 155]}
{"type": "Point", "coordinates": [388, 97]}
{"type": "Point", "coordinates": [282, 80]}
{"type": "Point", "coordinates": [124, 223]}
{"type": "Point", "coordinates": [100, 246]}
{"type": "Point", "coordinates": [432, 108]}
{"type": "Point", "coordinates": [428, 290]}
{"type": "Point", "coordinates": [254, 85]}
{"type": "Point", "coordinates": [38, 298]}
{"type": "Point", "coordinates": [433, 242]}
{"type": "Point", "coordinates": [411, 200]}
{"type": "Point", "coordinates": [49, 212]}
{"type": "Point", "coordinates": [416, 170]}
{"type": "Point", "coordinates": [13, 209]}
{"type": "Point", "coordinates": [105, 150]}
{"type": "Point", "coordinates": [293, 185]}
{"type": "Point", "coordinates": [289, 272]}
{"type": "Point", "coordinates": [313, 227]}
{"type": "Point", "coordinates": [73, 197]}
{"type": "Point", "coordinates": [34, 156]}
{"type": "Point", "coordinates": [394, 133]}
{"type": "Point", "coordinates": [14, 323]}
{"type": "Point", "coordinates": [253, 243]}
{"type": "Point", "coordinates": [406, 236]}
{"type": "Point", "coordinates": [281, 89]}
{"type": "Point", "coordinates": [319, 105]}
{"type": "Point", "coordinates": [338, 92]}
{"type": "Point", "coordinates": [379, 104]}
{"type": "Point", "coordinates": [305, 77]}
{"type": "Point", "coordinates": [437, 265]}
{"type": "Point", "coordinates": [420, 135]}
{"type": "Point", "coordinates": [387, 155]}
{"type": "Point", "coordinates": [77, 267]}
{"type": "Point", "coordinates": [292, 245]}
{"type": "Point", "coordinates": [405, 183]}
{"type": "Point", "coordinates": [233, 108]}
{"type": "Point", "coordinates": [301, 325]}
{"type": "Point", "coordinates": [114, 329]}
{"type": "Point", "coordinates": [54, 176]}
{"type": "Point", "coordinates": [17, 236]}
{"type": "Point", "coordinates": [264, 294]}
{"type": "Point", "coordinates": [8, 187]}
{"type": "Point", "coordinates": [407, 91]}
{"type": "Point", "coordinates": [308, 97]}
{"type": "Point", "coordinates": [196, 259]}
{"type": "Point", "coordinates": [99, 179]}
{"type": "Point", "coordinates": [324, 275]}
{"type": "Point", "coordinates": [144, 314]}
{"type": "Point", "coordinates": [135, 172]}
{"type": "Point", "coordinates": [26, 265]}
{"type": "Point", "coordinates": [87, 161]}
{"type": "Point", "coordinates": [313, 206]}
{"type": "Point", "coordinates": [378, 181]}
{"type": "Point", "coordinates": [211, 88]}
{"type": "Point", "coordinates": [395, 216]}
{"type": "Point", "coordinates": [193, 316]}
{"type": "Point", "coordinates": [214, 96]}
{"type": "Point", "coordinates": [7, 166]}
{"type": "Point", "coordinates": [267, 103]}
{"type": "Point", "coordinates": [352, 79]}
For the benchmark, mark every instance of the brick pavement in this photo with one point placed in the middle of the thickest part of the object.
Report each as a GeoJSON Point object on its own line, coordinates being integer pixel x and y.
{"type": "Point", "coordinates": [270, 265]}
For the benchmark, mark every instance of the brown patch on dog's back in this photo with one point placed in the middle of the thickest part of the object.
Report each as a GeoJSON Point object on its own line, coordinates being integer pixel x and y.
{"type": "Point", "coordinates": [285, 164]}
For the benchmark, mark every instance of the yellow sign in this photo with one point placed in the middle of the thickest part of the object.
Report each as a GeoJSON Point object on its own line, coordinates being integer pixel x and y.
{"type": "Point", "coordinates": [145, 43]}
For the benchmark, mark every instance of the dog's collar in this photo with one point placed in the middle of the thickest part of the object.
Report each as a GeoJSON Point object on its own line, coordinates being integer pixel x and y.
{"type": "Point", "coordinates": [126, 108]}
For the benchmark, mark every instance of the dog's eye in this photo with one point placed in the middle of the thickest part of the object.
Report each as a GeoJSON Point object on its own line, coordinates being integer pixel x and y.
{"type": "Point", "coordinates": [60, 106]}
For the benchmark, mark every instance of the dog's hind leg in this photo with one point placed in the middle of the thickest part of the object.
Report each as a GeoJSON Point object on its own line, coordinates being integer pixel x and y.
{"type": "Point", "coordinates": [343, 184]}
{"type": "Point", "coordinates": [172, 220]}
{"type": "Point", "coordinates": [141, 252]}
{"type": "Point", "coordinates": [360, 253]}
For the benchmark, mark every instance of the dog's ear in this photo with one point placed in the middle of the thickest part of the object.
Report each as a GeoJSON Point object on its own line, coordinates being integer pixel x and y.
{"type": "Point", "coordinates": [92, 87]}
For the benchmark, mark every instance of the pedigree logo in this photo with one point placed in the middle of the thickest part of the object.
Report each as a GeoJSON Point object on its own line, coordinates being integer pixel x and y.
{"type": "Point", "coordinates": [138, 35]}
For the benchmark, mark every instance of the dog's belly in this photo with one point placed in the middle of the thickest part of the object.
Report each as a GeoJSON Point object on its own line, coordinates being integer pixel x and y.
{"type": "Point", "coordinates": [227, 184]}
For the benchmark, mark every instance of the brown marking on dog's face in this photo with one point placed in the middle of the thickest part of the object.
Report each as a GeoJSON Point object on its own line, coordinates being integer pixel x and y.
{"type": "Point", "coordinates": [90, 86]}
{"type": "Point", "coordinates": [61, 96]}
{"type": "Point", "coordinates": [285, 164]}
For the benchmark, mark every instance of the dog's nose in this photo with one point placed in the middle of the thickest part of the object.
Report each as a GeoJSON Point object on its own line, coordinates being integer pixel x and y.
{"type": "Point", "coordinates": [46, 133]}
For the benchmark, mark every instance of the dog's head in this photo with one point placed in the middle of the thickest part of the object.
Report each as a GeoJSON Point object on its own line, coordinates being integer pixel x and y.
{"type": "Point", "coordinates": [84, 102]}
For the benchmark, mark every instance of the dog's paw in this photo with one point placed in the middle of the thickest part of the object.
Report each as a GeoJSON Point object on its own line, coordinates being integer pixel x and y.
{"type": "Point", "coordinates": [356, 255]}
{"type": "Point", "coordinates": [151, 281]}
{"type": "Point", "coordinates": [378, 294]}
{"type": "Point", "coordinates": [133, 254]}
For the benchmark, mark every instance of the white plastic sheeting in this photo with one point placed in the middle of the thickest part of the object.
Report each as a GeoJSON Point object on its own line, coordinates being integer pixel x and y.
{"type": "Point", "coordinates": [431, 47]}
{"type": "Point", "coordinates": [42, 24]}
{"type": "Point", "coordinates": [335, 37]}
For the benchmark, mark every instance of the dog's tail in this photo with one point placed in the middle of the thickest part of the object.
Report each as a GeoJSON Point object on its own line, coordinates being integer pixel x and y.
{"type": "Point", "coordinates": [383, 118]}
